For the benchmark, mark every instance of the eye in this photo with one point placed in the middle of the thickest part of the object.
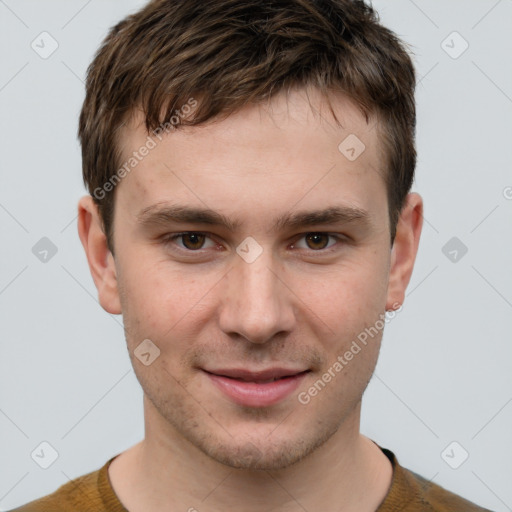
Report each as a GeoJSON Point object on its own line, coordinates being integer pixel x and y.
{"type": "Point", "coordinates": [316, 241]}
{"type": "Point", "coordinates": [190, 240]}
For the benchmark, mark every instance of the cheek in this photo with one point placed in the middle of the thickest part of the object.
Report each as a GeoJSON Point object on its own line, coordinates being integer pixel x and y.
{"type": "Point", "coordinates": [154, 292]}
{"type": "Point", "coordinates": [164, 304]}
{"type": "Point", "coordinates": [346, 298]}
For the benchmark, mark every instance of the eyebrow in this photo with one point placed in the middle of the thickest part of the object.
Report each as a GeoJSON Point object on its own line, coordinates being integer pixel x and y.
{"type": "Point", "coordinates": [164, 214]}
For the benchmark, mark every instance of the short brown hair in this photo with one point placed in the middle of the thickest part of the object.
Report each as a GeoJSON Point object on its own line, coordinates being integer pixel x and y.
{"type": "Point", "coordinates": [230, 53]}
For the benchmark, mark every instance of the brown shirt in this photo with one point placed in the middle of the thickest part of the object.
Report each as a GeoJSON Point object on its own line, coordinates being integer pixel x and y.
{"type": "Point", "coordinates": [408, 492]}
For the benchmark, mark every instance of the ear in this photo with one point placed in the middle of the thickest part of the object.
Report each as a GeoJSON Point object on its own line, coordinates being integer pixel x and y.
{"type": "Point", "coordinates": [100, 259]}
{"type": "Point", "coordinates": [403, 252]}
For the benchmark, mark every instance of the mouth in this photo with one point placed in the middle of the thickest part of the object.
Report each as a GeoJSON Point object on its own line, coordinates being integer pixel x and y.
{"type": "Point", "coordinates": [256, 388]}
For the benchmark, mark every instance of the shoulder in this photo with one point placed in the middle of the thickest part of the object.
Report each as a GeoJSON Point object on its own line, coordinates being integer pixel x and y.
{"type": "Point", "coordinates": [440, 499]}
{"type": "Point", "coordinates": [410, 492]}
{"type": "Point", "coordinates": [82, 493]}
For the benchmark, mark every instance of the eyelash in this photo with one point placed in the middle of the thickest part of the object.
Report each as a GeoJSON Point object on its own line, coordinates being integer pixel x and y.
{"type": "Point", "coordinates": [170, 238]}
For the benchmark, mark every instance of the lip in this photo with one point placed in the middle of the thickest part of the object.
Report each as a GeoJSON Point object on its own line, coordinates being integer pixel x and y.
{"type": "Point", "coordinates": [255, 376]}
{"type": "Point", "coordinates": [255, 390]}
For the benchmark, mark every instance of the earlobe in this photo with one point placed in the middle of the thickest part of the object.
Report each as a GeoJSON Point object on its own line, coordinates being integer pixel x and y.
{"type": "Point", "coordinates": [99, 257]}
{"type": "Point", "coordinates": [405, 248]}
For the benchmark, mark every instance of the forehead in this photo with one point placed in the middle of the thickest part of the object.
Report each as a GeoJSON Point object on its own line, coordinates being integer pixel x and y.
{"type": "Point", "coordinates": [284, 151]}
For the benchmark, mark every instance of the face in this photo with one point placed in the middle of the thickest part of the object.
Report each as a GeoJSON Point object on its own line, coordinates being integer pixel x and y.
{"type": "Point", "coordinates": [251, 249]}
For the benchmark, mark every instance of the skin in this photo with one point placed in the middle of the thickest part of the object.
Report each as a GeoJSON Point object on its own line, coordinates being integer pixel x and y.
{"type": "Point", "coordinates": [299, 304]}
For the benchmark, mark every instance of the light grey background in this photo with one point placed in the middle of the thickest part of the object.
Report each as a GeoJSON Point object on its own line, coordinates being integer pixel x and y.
{"type": "Point", "coordinates": [444, 373]}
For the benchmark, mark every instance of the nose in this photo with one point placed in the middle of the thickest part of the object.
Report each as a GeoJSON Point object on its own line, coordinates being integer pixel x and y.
{"type": "Point", "coordinates": [256, 302]}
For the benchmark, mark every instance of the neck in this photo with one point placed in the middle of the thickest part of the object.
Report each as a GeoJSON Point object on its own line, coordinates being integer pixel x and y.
{"type": "Point", "coordinates": [347, 473]}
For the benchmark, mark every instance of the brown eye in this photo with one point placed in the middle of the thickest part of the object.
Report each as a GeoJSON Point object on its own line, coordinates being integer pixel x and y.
{"type": "Point", "coordinates": [188, 242]}
{"type": "Point", "coordinates": [317, 240]}
{"type": "Point", "coordinates": [193, 241]}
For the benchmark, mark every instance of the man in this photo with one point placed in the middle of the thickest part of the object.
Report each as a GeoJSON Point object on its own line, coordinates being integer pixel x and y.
{"type": "Point", "coordinates": [249, 164]}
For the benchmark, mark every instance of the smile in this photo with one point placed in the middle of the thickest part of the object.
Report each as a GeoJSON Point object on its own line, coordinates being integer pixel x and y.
{"type": "Point", "coordinates": [256, 389]}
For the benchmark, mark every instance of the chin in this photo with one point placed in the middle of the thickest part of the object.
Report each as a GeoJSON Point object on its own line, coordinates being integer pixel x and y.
{"type": "Point", "coordinates": [266, 454]}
